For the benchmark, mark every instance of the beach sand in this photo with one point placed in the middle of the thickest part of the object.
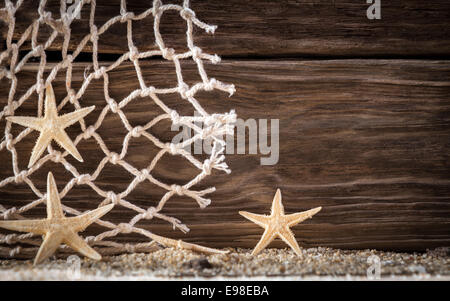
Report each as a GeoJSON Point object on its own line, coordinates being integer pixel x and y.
{"type": "Point", "coordinates": [272, 264]}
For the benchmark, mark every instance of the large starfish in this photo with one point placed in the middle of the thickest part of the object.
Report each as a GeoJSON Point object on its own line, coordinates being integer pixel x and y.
{"type": "Point", "coordinates": [278, 224]}
{"type": "Point", "coordinates": [52, 127]}
{"type": "Point", "coordinates": [57, 228]}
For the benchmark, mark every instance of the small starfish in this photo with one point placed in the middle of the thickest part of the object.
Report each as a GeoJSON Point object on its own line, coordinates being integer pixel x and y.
{"type": "Point", "coordinates": [51, 127]}
{"type": "Point", "coordinates": [278, 224]}
{"type": "Point", "coordinates": [57, 228]}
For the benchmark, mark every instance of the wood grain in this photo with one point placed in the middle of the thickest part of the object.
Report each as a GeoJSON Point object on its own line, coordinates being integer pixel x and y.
{"type": "Point", "coordinates": [331, 28]}
{"type": "Point", "coordinates": [368, 140]}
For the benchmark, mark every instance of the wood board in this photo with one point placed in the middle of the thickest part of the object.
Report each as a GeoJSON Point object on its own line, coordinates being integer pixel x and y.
{"type": "Point", "coordinates": [367, 140]}
{"type": "Point", "coordinates": [266, 28]}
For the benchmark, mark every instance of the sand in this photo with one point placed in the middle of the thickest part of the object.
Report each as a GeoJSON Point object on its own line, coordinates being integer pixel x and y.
{"type": "Point", "coordinates": [271, 264]}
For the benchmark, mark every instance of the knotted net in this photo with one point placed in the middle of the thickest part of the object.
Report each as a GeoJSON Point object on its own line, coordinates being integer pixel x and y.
{"type": "Point", "coordinates": [215, 126]}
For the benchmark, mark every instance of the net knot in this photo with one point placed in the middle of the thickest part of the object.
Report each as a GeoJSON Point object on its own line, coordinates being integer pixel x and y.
{"type": "Point", "coordinates": [71, 93]}
{"type": "Point", "coordinates": [151, 90]}
{"type": "Point", "coordinates": [156, 6]}
{"type": "Point", "coordinates": [40, 86]}
{"type": "Point", "coordinates": [57, 156]}
{"type": "Point", "coordinates": [83, 179]}
{"type": "Point", "coordinates": [20, 177]}
{"type": "Point", "coordinates": [69, 59]}
{"type": "Point", "coordinates": [114, 198]}
{"type": "Point", "coordinates": [66, 18]}
{"type": "Point", "coordinates": [209, 86]}
{"type": "Point", "coordinates": [114, 158]}
{"type": "Point", "coordinates": [125, 228]}
{"type": "Point", "coordinates": [99, 72]}
{"type": "Point", "coordinates": [206, 132]}
{"type": "Point", "coordinates": [215, 59]}
{"type": "Point", "coordinates": [94, 34]}
{"type": "Point", "coordinates": [175, 117]}
{"type": "Point", "coordinates": [46, 16]}
{"type": "Point", "coordinates": [183, 89]}
{"type": "Point", "coordinates": [125, 17]}
{"type": "Point", "coordinates": [149, 213]}
{"type": "Point", "coordinates": [8, 213]}
{"type": "Point", "coordinates": [179, 190]}
{"type": "Point", "coordinates": [113, 106]}
{"type": "Point", "coordinates": [207, 166]}
{"type": "Point", "coordinates": [211, 119]}
{"type": "Point", "coordinates": [168, 53]}
{"type": "Point", "coordinates": [62, 26]}
{"type": "Point", "coordinates": [143, 175]}
{"type": "Point", "coordinates": [147, 91]}
{"type": "Point", "coordinates": [187, 13]}
{"type": "Point", "coordinates": [229, 117]}
{"type": "Point", "coordinates": [9, 6]}
{"type": "Point", "coordinates": [196, 52]}
{"type": "Point", "coordinates": [39, 50]}
{"type": "Point", "coordinates": [134, 53]}
{"type": "Point", "coordinates": [137, 131]}
{"type": "Point", "coordinates": [172, 148]}
{"type": "Point", "coordinates": [89, 132]}
{"type": "Point", "coordinates": [9, 142]}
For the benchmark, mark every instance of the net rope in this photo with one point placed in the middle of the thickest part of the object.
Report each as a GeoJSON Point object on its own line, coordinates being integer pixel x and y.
{"type": "Point", "coordinates": [216, 126]}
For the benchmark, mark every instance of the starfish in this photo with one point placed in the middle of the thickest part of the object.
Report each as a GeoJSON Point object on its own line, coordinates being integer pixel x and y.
{"type": "Point", "coordinates": [57, 228]}
{"type": "Point", "coordinates": [52, 127]}
{"type": "Point", "coordinates": [278, 224]}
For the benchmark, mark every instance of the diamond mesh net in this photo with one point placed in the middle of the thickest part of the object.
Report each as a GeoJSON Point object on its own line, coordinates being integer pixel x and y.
{"type": "Point", "coordinates": [215, 126]}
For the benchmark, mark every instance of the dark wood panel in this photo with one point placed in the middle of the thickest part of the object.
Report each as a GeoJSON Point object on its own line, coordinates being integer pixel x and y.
{"type": "Point", "coordinates": [273, 28]}
{"type": "Point", "coordinates": [368, 140]}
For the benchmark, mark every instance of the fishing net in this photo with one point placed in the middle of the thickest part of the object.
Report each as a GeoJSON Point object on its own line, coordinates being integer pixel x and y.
{"type": "Point", "coordinates": [215, 126]}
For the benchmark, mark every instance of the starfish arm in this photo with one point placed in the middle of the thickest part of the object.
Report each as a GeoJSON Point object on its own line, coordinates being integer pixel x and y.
{"type": "Point", "coordinates": [54, 209]}
{"type": "Point", "coordinates": [74, 241]}
{"type": "Point", "coordinates": [295, 218]}
{"type": "Point", "coordinates": [41, 144]}
{"type": "Point", "coordinates": [81, 222]}
{"type": "Point", "coordinates": [33, 226]}
{"type": "Point", "coordinates": [261, 220]}
{"type": "Point", "coordinates": [51, 242]}
{"type": "Point", "coordinates": [50, 102]}
{"type": "Point", "coordinates": [266, 239]}
{"type": "Point", "coordinates": [288, 237]}
{"type": "Point", "coordinates": [70, 118]}
{"type": "Point", "coordinates": [277, 206]}
{"type": "Point", "coordinates": [64, 141]}
{"type": "Point", "coordinates": [29, 122]}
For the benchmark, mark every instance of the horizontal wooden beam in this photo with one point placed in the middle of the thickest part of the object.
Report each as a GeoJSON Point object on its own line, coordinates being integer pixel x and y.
{"type": "Point", "coordinates": [368, 140]}
{"type": "Point", "coordinates": [332, 28]}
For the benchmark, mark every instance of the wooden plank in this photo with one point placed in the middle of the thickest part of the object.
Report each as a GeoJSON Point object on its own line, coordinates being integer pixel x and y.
{"type": "Point", "coordinates": [275, 28]}
{"type": "Point", "coordinates": [368, 140]}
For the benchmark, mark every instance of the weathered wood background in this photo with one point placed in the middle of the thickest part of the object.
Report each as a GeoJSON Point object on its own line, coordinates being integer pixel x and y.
{"type": "Point", "coordinates": [364, 112]}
